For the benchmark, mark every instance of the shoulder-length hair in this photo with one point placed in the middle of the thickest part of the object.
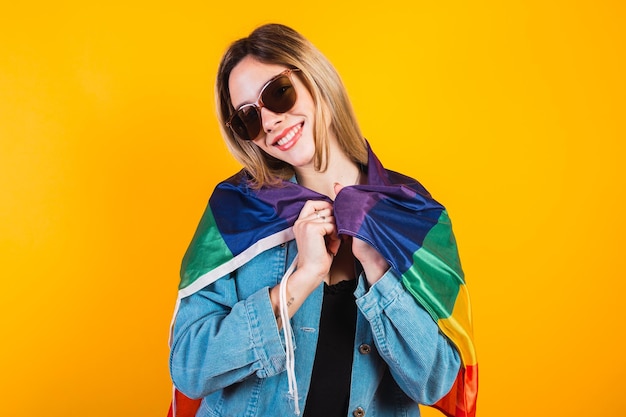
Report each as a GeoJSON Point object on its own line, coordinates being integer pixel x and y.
{"type": "Point", "coordinates": [280, 45]}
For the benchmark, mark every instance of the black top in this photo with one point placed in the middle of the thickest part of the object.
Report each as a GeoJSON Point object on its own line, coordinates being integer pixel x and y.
{"type": "Point", "coordinates": [329, 392]}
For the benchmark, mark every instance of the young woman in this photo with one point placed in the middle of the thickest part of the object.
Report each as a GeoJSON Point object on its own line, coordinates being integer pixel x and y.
{"type": "Point", "coordinates": [317, 281]}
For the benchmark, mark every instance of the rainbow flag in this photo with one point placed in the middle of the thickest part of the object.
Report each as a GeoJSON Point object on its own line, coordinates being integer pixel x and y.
{"type": "Point", "coordinates": [392, 212]}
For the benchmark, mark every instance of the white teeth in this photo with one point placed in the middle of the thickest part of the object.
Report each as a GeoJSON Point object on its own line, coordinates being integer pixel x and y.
{"type": "Point", "coordinates": [289, 136]}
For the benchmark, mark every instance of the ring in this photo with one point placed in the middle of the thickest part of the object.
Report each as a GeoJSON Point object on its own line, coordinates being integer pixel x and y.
{"type": "Point", "coordinates": [319, 216]}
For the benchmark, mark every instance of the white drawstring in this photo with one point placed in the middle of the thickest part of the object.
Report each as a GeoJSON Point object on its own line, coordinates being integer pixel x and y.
{"type": "Point", "coordinates": [288, 332]}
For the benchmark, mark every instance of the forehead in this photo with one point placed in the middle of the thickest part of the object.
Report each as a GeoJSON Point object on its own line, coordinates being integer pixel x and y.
{"type": "Point", "coordinates": [248, 78]}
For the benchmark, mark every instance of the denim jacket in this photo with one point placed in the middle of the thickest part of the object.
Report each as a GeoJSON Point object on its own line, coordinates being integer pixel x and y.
{"type": "Point", "coordinates": [227, 348]}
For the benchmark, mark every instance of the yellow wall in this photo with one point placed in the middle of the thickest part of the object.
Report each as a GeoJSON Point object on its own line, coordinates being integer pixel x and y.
{"type": "Point", "coordinates": [510, 112]}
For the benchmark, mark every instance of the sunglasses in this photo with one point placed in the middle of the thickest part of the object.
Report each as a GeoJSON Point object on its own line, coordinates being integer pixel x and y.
{"type": "Point", "coordinates": [278, 95]}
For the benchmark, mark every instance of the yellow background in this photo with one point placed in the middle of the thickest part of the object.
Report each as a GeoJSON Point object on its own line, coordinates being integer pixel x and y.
{"type": "Point", "coordinates": [510, 112]}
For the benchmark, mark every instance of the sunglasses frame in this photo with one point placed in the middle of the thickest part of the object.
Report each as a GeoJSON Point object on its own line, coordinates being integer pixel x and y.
{"type": "Point", "coordinates": [260, 104]}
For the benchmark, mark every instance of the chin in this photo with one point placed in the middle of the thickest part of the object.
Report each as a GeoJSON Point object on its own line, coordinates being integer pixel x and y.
{"type": "Point", "coordinates": [303, 159]}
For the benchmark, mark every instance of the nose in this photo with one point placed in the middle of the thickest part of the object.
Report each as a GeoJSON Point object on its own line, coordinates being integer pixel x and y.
{"type": "Point", "coordinates": [270, 120]}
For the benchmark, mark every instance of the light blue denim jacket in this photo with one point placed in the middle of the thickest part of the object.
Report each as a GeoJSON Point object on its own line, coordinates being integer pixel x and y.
{"type": "Point", "coordinates": [227, 348]}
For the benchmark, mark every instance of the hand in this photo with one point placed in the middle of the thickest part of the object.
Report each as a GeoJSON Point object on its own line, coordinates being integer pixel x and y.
{"type": "Point", "coordinates": [318, 243]}
{"type": "Point", "coordinates": [317, 239]}
{"type": "Point", "coordinates": [374, 265]}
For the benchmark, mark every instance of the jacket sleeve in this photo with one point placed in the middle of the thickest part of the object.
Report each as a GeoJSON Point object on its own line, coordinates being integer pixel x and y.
{"type": "Point", "coordinates": [421, 359]}
{"type": "Point", "coordinates": [219, 340]}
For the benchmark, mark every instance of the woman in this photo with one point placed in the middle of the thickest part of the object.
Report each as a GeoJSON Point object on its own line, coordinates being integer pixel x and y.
{"type": "Point", "coordinates": [303, 288]}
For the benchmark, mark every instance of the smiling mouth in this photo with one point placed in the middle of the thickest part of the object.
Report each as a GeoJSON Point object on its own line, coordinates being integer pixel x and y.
{"type": "Point", "coordinates": [289, 135]}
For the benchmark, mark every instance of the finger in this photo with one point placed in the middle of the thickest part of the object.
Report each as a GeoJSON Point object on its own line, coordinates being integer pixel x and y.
{"type": "Point", "coordinates": [322, 215]}
{"type": "Point", "coordinates": [332, 239]}
{"type": "Point", "coordinates": [338, 187]}
{"type": "Point", "coordinates": [333, 243]}
{"type": "Point", "coordinates": [311, 206]}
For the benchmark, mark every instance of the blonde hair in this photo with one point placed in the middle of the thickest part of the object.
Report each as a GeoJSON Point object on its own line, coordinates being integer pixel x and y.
{"type": "Point", "coordinates": [281, 45]}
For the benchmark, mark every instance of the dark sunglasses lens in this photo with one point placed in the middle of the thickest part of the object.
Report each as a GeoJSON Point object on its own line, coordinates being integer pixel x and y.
{"type": "Point", "coordinates": [279, 96]}
{"type": "Point", "coordinates": [246, 123]}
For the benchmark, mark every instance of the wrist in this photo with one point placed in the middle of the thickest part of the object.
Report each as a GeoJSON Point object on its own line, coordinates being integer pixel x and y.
{"type": "Point", "coordinates": [374, 270]}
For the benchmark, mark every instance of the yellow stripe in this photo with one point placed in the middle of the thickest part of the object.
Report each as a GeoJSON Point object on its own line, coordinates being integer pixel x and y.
{"type": "Point", "coordinates": [458, 327]}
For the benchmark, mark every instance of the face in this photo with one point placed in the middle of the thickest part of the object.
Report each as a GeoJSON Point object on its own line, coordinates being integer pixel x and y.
{"type": "Point", "coordinates": [287, 136]}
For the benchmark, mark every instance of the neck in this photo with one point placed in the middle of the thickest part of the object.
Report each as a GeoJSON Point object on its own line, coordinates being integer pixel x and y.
{"type": "Point", "coordinates": [340, 169]}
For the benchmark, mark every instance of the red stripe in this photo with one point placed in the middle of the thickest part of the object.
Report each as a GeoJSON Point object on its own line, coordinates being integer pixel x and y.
{"type": "Point", "coordinates": [461, 400]}
{"type": "Point", "coordinates": [185, 406]}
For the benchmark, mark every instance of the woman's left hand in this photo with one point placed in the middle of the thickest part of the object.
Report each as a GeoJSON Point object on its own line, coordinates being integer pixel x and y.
{"type": "Point", "coordinates": [374, 265]}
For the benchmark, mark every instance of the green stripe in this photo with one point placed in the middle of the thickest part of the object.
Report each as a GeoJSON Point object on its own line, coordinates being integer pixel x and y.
{"type": "Point", "coordinates": [206, 251]}
{"type": "Point", "coordinates": [436, 274]}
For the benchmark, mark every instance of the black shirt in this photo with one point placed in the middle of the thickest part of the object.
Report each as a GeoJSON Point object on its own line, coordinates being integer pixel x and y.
{"type": "Point", "coordinates": [329, 392]}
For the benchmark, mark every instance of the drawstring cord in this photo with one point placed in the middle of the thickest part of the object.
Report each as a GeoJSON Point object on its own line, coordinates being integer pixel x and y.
{"type": "Point", "coordinates": [288, 332]}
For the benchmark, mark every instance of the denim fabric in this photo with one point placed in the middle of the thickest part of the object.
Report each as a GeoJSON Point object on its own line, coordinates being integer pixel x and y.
{"type": "Point", "coordinates": [228, 350]}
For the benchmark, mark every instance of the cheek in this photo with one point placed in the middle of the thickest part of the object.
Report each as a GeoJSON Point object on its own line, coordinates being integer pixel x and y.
{"type": "Point", "coordinates": [307, 107]}
{"type": "Point", "coordinates": [304, 102]}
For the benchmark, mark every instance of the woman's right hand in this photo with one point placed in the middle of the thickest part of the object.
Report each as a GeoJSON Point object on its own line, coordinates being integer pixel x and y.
{"type": "Point", "coordinates": [318, 243]}
{"type": "Point", "coordinates": [317, 240]}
